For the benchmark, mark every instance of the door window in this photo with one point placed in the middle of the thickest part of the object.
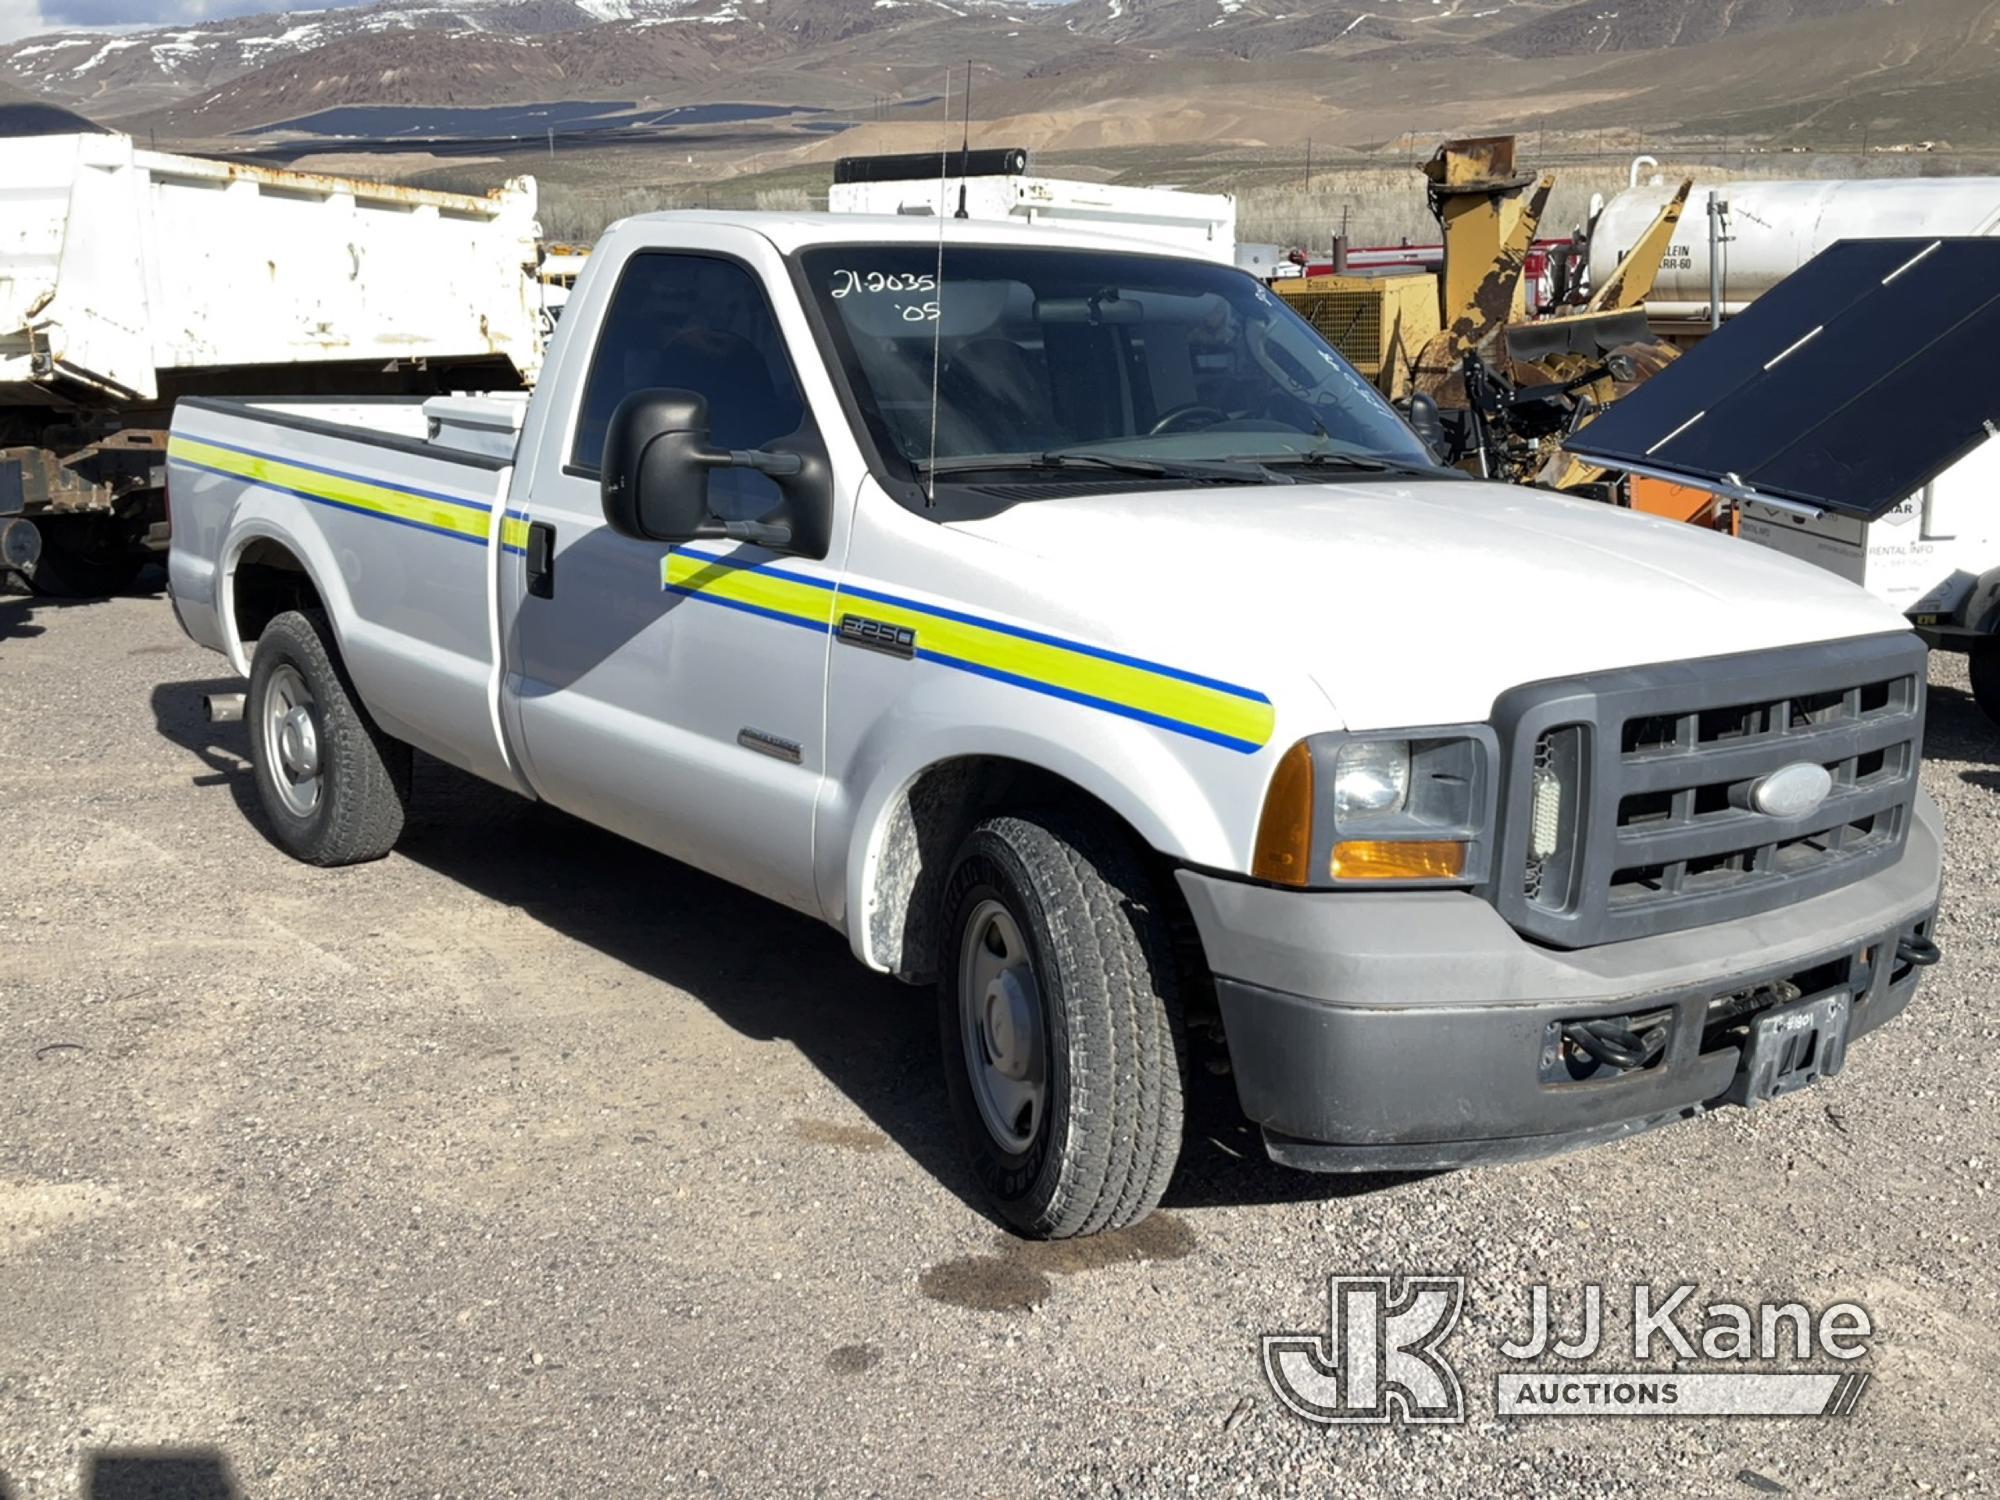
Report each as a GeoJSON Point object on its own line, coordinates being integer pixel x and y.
{"type": "Point", "coordinates": [696, 323]}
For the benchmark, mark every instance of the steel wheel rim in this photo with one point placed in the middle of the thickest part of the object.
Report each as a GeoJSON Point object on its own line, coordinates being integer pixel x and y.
{"type": "Point", "coordinates": [1003, 1026]}
{"type": "Point", "coordinates": [290, 727]}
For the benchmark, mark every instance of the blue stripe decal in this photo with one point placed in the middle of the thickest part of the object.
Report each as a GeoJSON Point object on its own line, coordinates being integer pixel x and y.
{"type": "Point", "coordinates": [353, 510]}
{"type": "Point", "coordinates": [298, 463]}
{"type": "Point", "coordinates": [1101, 653]}
{"type": "Point", "coordinates": [749, 609]}
{"type": "Point", "coordinates": [1019, 631]}
{"type": "Point", "coordinates": [1158, 721]}
{"type": "Point", "coordinates": [1086, 700]}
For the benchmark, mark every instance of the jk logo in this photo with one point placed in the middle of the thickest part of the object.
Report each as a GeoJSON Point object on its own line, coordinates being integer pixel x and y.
{"type": "Point", "coordinates": [1379, 1359]}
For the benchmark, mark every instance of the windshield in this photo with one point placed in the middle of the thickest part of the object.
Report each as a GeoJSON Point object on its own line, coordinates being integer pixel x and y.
{"type": "Point", "coordinates": [1090, 358]}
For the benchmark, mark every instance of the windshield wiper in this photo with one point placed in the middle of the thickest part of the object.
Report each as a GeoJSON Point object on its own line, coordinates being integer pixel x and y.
{"type": "Point", "coordinates": [1218, 471]}
{"type": "Point", "coordinates": [1366, 463]}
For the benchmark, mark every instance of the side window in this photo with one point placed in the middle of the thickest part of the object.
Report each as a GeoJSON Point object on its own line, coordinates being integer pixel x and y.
{"type": "Point", "coordinates": [689, 322]}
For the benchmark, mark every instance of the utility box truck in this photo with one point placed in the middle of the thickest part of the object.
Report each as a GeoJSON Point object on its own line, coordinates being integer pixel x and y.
{"type": "Point", "coordinates": [131, 277]}
{"type": "Point", "coordinates": [1934, 555]}
{"type": "Point", "coordinates": [994, 185]}
{"type": "Point", "coordinates": [1066, 623]}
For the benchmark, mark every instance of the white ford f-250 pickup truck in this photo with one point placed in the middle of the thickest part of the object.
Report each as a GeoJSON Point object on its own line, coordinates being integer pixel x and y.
{"type": "Point", "coordinates": [1067, 624]}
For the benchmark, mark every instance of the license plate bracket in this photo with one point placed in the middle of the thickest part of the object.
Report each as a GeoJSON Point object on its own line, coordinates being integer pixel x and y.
{"type": "Point", "coordinates": [1791, 1046]}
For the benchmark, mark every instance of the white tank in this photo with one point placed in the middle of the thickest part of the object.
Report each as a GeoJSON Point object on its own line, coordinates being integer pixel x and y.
{"type": "Point", "coordinates": [1776, 227]}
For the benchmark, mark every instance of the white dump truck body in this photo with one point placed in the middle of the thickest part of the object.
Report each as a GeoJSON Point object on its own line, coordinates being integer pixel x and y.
{"type": "Point", "coordinates": [1199, 224]}
{"type": "Point", "coordinates": [118, 265]}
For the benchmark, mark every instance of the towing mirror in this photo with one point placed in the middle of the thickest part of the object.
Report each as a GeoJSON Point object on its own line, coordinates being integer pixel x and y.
{"type": "Point", "coordinates": [656, 462]}
{"type": "Point", "coordinates": [654, 478]}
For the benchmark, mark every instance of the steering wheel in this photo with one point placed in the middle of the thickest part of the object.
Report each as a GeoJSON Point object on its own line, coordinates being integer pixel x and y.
{"type": "Point", "coordinates": [1175, 419]}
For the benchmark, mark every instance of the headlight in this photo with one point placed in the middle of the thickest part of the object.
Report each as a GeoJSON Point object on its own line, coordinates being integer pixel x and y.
{"type": "Point", "coordinates": [1408, 809]}
{"type": "Point", "coordinates": [1371, 779]}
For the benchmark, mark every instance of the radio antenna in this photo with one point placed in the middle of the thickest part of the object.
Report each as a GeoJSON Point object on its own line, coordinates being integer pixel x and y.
{"type": "Point", "coordinates": [965, 144]}
{"type": "Point", "coordinates": [937, 292]}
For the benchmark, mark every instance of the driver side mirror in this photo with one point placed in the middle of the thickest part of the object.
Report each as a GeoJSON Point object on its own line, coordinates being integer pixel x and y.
{"type": "Point", "coordinates": [654, 475]}
{"type": "Point", "coordinates": [656, 461]}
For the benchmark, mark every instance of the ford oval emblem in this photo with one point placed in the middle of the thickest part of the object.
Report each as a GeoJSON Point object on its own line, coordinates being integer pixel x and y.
{"type": "Point", "coordinates": [1791, 791]}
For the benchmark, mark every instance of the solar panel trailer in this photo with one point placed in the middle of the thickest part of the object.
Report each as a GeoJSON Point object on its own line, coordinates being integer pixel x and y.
{"type": "Point", "coordinates": [1852, 415]}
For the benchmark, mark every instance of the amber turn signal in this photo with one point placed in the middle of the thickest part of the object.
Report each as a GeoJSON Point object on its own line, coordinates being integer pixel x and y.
{"type": "Point", "coordinates": [1402, 859]}
{"type": "Point", "coordinates": [1284, 833]}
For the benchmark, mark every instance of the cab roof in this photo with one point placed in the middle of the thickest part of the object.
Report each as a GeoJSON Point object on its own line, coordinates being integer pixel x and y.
{"type": "Point", "coordinates": [795, 231]}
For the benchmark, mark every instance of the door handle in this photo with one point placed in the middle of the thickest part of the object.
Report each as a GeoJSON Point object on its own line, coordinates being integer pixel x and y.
{"type": "Point", "coordinates": [540, 556]}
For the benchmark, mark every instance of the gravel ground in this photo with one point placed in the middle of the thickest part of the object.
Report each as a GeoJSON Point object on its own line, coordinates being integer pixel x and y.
{"type": "Point", "coordinates": [528, 1163]}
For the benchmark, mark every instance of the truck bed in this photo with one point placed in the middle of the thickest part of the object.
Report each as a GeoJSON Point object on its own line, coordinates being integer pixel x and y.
{"type": "Point", "coordinates": [434, 473]}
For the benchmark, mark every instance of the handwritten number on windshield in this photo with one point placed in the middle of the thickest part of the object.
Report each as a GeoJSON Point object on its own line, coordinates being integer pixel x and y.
{"type": "Point", "coordinates": [848, 283]}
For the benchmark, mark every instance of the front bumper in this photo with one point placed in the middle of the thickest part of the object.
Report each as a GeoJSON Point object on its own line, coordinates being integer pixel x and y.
{"type": "Point", "coordinates": [1413, 1030]}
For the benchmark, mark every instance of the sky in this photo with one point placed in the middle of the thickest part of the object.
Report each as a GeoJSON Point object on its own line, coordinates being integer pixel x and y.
{"type": "Point", "coordinates": [19, 18]}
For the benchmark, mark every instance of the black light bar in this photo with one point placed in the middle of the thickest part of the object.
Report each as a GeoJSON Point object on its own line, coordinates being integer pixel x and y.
{"type": "Point", "coordinates": [911, 166]}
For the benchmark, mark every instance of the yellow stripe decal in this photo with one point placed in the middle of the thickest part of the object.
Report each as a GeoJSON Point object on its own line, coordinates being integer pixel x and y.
{"type": "Point", "coordinates": [456, 516]}
{"type": "Point", "coordinates": [1205, 708]}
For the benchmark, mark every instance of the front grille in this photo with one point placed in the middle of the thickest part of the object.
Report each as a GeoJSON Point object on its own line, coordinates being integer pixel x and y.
{"type": "Point", "coordinates": [1655, 829]}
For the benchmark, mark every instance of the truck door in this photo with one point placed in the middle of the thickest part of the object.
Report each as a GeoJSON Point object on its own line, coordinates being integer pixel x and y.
{"type": "Point", "coordinates": [692, 727]}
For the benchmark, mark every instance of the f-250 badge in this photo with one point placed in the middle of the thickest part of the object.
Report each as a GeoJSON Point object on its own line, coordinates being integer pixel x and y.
{"type": "Point", "coordinates": [878, 635]}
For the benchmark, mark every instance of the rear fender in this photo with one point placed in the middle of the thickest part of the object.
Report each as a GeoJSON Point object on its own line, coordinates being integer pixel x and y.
{"type": "Point", "coordinates": [260, 516]}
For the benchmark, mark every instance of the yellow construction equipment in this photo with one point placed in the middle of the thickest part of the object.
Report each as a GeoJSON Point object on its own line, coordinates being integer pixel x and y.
{"type": "Point", "coordinates": [1489, 219]}
{"type": "Point", "coordinates": [1412, 332]}
{"type": "Point", "coordinates": [1632, 282]}
{"type": "Point", "coordinates": [1377, 319]}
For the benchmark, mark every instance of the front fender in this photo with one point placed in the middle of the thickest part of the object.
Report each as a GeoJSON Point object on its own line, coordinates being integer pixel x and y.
{"type": "Point", "coordinates": [1132, 772]}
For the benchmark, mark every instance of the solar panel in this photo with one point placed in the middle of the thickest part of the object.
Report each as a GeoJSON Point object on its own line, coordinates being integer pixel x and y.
{"type": "Point", "coordinates": [1847, 387]}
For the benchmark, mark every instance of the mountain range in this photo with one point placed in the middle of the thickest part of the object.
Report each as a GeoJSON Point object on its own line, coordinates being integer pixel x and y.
{"type": "Point", "coordinates": [1089, 72]}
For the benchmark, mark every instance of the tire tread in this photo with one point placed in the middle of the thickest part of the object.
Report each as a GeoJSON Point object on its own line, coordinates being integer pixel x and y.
{"type": "Point", "coordinates": [1112, 956]}
{"type": "Point", "coordinates": [366, 772]}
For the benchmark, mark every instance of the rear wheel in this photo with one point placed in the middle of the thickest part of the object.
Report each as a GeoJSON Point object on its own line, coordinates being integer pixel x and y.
{"type": "Point", "coordinates": [1060, 1023]}
{"type": "Point", "coordinates": [332, 784]}
{"type": "Point", "coordinates": [1984, 669]}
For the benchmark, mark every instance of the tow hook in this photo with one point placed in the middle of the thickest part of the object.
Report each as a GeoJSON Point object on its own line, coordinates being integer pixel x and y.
{"type": "Point", "coordinates": [1917, 951]}
{"type": "Point", "coordinates": [1617, 1046]}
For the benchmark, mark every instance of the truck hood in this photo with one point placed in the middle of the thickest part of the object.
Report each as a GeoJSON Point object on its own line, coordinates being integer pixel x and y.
{"type": "Point", "coordinates": [1418, 602]}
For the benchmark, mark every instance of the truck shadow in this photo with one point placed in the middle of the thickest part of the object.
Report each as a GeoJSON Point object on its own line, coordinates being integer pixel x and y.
{"type": "Point", "coordinates": [1957, 729]}
{"type": "Point", "coordinates": [19, 606]}
{"type": "Point", "coordinates": [17, 617]}
{"type": "Point", "coordinates": [771, 974]}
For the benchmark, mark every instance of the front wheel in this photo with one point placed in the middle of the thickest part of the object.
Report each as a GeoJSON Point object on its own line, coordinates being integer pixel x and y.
{"type": "Point", "coordinates": [332, 784]}
{"type": "Point", "coordinates": [1059, 1017]}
